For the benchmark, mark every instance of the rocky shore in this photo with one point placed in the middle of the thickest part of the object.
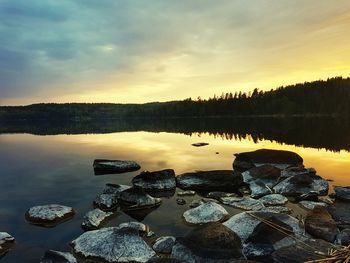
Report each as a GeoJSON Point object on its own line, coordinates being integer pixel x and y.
{"type": "Point", "coordinates": [287, 213]}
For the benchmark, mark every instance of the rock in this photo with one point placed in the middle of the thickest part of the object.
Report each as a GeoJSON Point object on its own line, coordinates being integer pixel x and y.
{"type": "Point", "coordinates": [163, 180]}
{"type": "Point", "coordinates": [186, 193]}
{"type": "Point", "coordinates": [258, 189]}
{"type": "Point", "coordinates": [340, 213]}
{"type": "Point", "coordinates": [273, 199]}
{"type": "Point", "coordinates": [113, 244]}
{"type": "Point", "coordinates": [277, 158]}
{"type": "Point", "coordinates": [212, 242]}
{"type": "Point", "coordinates": [137, 198]}
{"type": "Point", "coordinates": [195, 203]}
{"type": "Point", "coordinates": [164, 245]}
{"type": "Point", "coordinates": [301, 184]}
{"type": "Point", "coordinates": [140, 227]}
{"type": "Point", "coordinates": [49, 215]}
{"type": "Point", "coordinates": [343, 238]}
{"type": "Point", "coordinates": [106, 202]}
{"type": "Point", "coordinates": [180, 201]}
{"type": "Point", "coordinates": [276, 209]}
{"type": "Point", "coordinates": [205, 213]}
{"type": "Point", "coordinates": [163, 260]}
{"type": "Point", "coordinates": [200, 144]}
{"type": "Point", "coordinates": [326, 199]}
{"type": "Point", "coordinates": [311, 196]}
{"type": "Point", "coordinates": [52, 256]}
{"type": "Point", "coordinates": [115, 189]}
{"type": "Point", "coordinates": [103, 166]}
{"type": "Point", "coordinates": [6, 242]}
{"type": "Point", "coordinates": [342, 193]}
{"type": "Point", "coordinates": [290, 171]}
{"type": "Point", "coordinates": [207, 181]}
{"type": "Point", "coordinates": [94, 218]}
{"type": "Point", "coordinates": [319, 224]}
{"type": "Point", "coordinates": [245, 203]}
{"type": "Point", "coordinates": [306, 251]}
{"type": "Point", "coordinates": [310, 205]}
{"type": "Point", "coordinates": [217, 195]}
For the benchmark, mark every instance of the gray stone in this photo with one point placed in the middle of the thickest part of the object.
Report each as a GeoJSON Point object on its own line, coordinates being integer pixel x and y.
{"type": "Point", "coordinates": [310, 205]}
{"type": "Point", "coordinates": [163, 180]}
{"type": "Point", "coordinates": [343, 238]}
{"type": "Point", "coordinates": [196, 202]}
{"type": "Point", "coordinates": [340, 213]}
{"type": "Point", "coordinates": [49, 215]}
{"type": "Point", "coordinates": [95, 218]}
{"type": "Point", "coordinates": [186, 193]}
{"type": "Point", "coordinates": [52, 256]}
{"type": "Point", "coordinates": [115, 189]}
{"type": "Point", "coordinates": [290, 171]}
{"type": "Point", "coordinates": [276, 209]}
{"type": "Point", "coordinates": [137, 198]}
{"type": "Point", "coordinates": [138, 226]}
{"type": "Point", "coordinates": [217, 195]}
{"type": "Point", "coordinates": [273, 199]}
{"type": "Point", "coordinates": [245, 203]}
{"type": "Point", "coordinates": [205, 213]}
{"type": "Point", "coordinates": [180, 201]}
{"type": "Point", "coordinates": [106, 202]}
{"type": "Point", "coordinates": [6, 242]}
{"type": "Point", "coordinates": [103, 166]}
{"type": "Point", "coordinates": [342, 193]}
{"type": "Point", "coordinates": [164, 244]}
{"type": "Point", "coordinates": [113, 244]}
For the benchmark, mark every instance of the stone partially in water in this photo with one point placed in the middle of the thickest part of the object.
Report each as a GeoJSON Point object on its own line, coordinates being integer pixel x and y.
{"type": "Point", "coordinates": [52, 256]}
{"type": "Point", "coordinates": [113, 244]}
{"type": "Point", "coordinates": [207, 181]}
{"type": "Point", "coordinates": [115, 189]}
{"type": "Point", "coordinates": [217, 195]}
{"type": "Point", "coordinates": [343, 238]}
{"type": "Point", "coordinates": [140, 227]}
{"type": "Point", "coordinates": [137, 198]}
{"type": "Point", "coordinates": [273, 199]}
{"type": "Point", "coordinates": [343, 193]}
{"type": "Point", "coordinates": [103, 166]}
{"type": "Point", "coordinates": [205, 213]}
{"type": "Point", "coordinates": [310, 205]}
{"type": "Point", "coordinates": [164, 244]}
{"type": "Point", "coordinates": [163, 180]}
{"type": "Point", "coordinates": [245, 203]}
{"type": "Point", "coordinates": [94, 218]}
{"type": "Point", "coordinates": [6, 242]}
{"type": "Point", "coordinates": [200, 144]}
{"type": "Point", "coordinates": [180, 201]}
{"type": "Point", "coordinates": [186, 193]}
{"type": "Point", "coordinates": [49, 215]}
{"type": "Point", "coordinates": [106, 202]}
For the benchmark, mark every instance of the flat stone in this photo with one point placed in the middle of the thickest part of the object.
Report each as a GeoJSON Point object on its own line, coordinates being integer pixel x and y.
{"type": "Point", "coordinates": [53, 256]}
{"type": "Point", "coordinates": [310, 205]}
{"type": "Point", "coordinates": [217, 195]}
{"type": "Point", "coordinates": [6, 242]}
{"type": "Point", "coordinates": [208, 181]}
{"type": "Point", "coordinates": [205, 213]}
{"type": "Point", "coordinates": [49, 215]}
{"type": "Point", "coordinates": [164, 244]}
{"type": "Point", "coordinates": [342, 193]}
{"type": "Point", "coordinates": [273, 199]}
{"type": "Point", "coordinates": [95, 218]}
{"type": "Point", "coordinates": [113, 244]}
{"type": "Point", "coordinates": [103, 166]}
{"type": "Point", "coordinates": [163, 180]}
{"type": "Point", "coordinates": [137, 198]}
{"type": "Point", "coordinates": [106, 202]}
{"type": "Point", "coordinates": [245, 203]}
{"type": "Point", "coordinates": [276, 209]}
{"type": "Point", "coordinates": [186, 193]}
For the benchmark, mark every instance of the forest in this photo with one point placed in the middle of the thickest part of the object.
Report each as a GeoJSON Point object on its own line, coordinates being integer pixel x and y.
{"type": "Point", "coordinates": [323, 97]}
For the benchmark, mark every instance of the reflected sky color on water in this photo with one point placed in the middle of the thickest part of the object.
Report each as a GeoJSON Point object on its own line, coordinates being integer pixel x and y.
{"type": "Point", "coordinates": [58, 169]}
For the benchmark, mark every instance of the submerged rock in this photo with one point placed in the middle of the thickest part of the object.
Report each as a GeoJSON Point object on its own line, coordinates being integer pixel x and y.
{"type": "Point", "coordinates": [273, 199]}
{"type": "Point", "coordinates": [106, 202]}
{"type": "Point", "coordinates": [180, 201]}
{"type": "Point", "coordinates": [207, 181]}
{"type": "Point", "coordinates": [212, 242]}
{"type": "Point", "coordinates": [164, 245]}
{"type": "Point", "coordinates": [186, 193]}
{"type": "Point", "coordinates": [94, 218]}
{"type": "Point", "coordinates": [113, 244]}
{"type": "Point", "coordinates": [343, 193]}
{"type": "Point", "coordinates": [137, 198]}
{"type": "Point", "coordinates": [103, 166]}
{"type": "Point", "coordinates": [205, 213]}
{"type": "Point", "coordinates": [163, 180]}
{"type": "Point", "coordinates": [277, 158]}
{"type": "Point", "coordinates": [310, 205]}
{"type": "Point", "coordinates": [49, 215]}
{"type": "Point", "coordinates": [52, 256]}
{"type": "Point", "coordinates": [245, 203]}
{"type": "Point", "coordinates": [6, 242]}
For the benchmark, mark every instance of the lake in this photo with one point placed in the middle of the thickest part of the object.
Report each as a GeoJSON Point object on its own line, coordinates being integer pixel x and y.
{"type": "Point", "coordinates": [53, 164]}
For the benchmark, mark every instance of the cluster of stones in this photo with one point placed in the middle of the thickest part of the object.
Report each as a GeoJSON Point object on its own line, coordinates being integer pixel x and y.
{"type": "Point", "coordinates": [263, 184]}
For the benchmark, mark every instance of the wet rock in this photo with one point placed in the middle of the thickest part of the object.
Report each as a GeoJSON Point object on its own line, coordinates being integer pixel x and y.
{"type": "Point", "coordinates": [6, 242]}
{"type": "Point", "coordinates": [245, 203]}
{"type": "Point", "coordinates": [137, 198]}
{"type": "Point", "coordinates": [343, 238]}
{"type": "Point", "coordinates": [163, 180]}
{"type": "Point", "coordinates": [94, 218]}
{"type": "Point", "coordinates": [52, 256]}
{"type": "Point", "coordinates": [195, 203]}
{"type": "Point", "coordinates": [310, 205]}
{"type": "Point", "coordinates": [273, 199]}
{"type": "Point", "coordinates": [106, 202]}
{"type": "Point", "coordinates": [217, 195]}
{"type": "Point", "coordinates": [276, 209]}
{"type": "Point", "coordinates": [163, 260]}
{"type": "Point", "coordinates": [207, 181]}
{"type": "Point", "coordinates": [186, 193]}
{"type": "Point", "coordinates": [301, 184]}
{"type": "Point", "coordinates": [290, 171]}
{"type": "Point", "coordinates": [311, 196]}
{"type": "Point", "coordinates": [49, 215]}
{"type": "Point", "coordinates": [319, 224]}
{"type": "Point", "coordinates": [343, 193]}
{"type": "Point", "coordinates": [340, 213]}
{"type": "Point", "coordinates": [138, 226]}
{"type": "Point", "coordinates": [180, 201]}
{"type": "Point", "coordinates": [308, 250]}
{"type": "Point", "coordinates": [164, 245]}
{"type": "Point", "coordinates": [113, 244]}
{"type": "Point", "coordinates": [212, 242]}
{"type": "Point", "coordinates": [258, 189]}
{"type": "Point", "coordinates": [205, 213]}
{"type": "Point", "coordinates": [277, 158]}
{"type": "Point", "coordinates": [115, 189]}
{"type": "Point", "coordinates": [103, 166]}
{"type": "Point", "coordinates": [326, 199]}
{"type": "Point", "coordinates": [200, 144]}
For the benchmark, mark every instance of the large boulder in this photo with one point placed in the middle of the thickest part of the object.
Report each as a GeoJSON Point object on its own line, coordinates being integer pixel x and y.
{"type": "Point", "coordinates": [319, 224]}
{"type": "Point", "coordinates": [95, 218]}
{"type": "Point", "coordinates": [53, 256]}
{"type": "Point", "coordinates": [103, 166]}
{"type": "Point", "coordinates": [113, 244]}
{"type": "Point", "coordinates": [205, 213]}
{"type": "Point", "coordinates": [49, 215]}
{"type": "Point", "coordinates": [163, 180]}
{"type": "Point", "coordinates": [277, 158]}
{"type": "Point", "coordinates": [136, 198]}
{"type": "Point", "coordinates": [343, 193]}
{"type": "Point", "coordinates": [207, 181]}
{"type": "Point", "coordinates": [6, 242]}
{"type": "Point", "coordinates": [212, 242]}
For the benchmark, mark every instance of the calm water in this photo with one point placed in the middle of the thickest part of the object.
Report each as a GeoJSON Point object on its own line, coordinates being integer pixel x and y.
{"type": "Point", "coordinates": [58, 169]}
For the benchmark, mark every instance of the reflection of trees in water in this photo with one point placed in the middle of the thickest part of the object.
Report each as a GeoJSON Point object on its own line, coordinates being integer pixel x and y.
{"type": "Point", "coordinates": [316, 132]}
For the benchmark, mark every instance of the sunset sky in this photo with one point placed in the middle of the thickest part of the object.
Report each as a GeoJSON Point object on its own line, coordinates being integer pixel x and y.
{"type": "Point", "coordinates": [145, 50]}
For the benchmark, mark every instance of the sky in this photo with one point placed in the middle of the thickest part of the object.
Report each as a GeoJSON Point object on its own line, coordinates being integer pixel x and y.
{"type": "Point", "coordinates": [128, 51]}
